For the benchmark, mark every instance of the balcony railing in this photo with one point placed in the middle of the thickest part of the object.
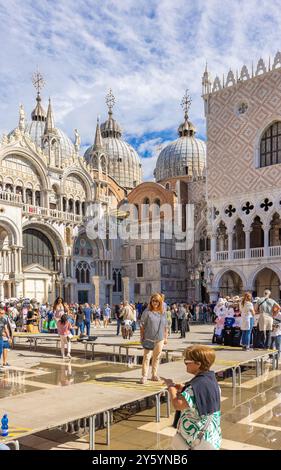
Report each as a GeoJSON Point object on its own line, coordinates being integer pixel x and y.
{"type": "Point", "coordinates": [51, 213]}
{"type": "Point", "coordinates": [273, 251]}
{"type": "Point", "coordinates": [222, 255]}
{"type": "Point", "coordinates": [256, 252]}
{"type": "Point", "coordinates": [10, 197]}
{"type": "Point", "coordinates": [239, 254]}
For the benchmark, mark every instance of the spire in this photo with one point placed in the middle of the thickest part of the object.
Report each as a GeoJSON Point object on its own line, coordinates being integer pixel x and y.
{"type": "Point", "coordinates": [98, 145]}
{"type": "Point", "coordinates": [50, 124]}
{"type": "Point", "coordinates": [38, 114]}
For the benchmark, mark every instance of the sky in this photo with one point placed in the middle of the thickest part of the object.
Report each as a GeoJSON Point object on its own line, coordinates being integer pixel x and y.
{"type": "Point", "coordinates": [149, 52]}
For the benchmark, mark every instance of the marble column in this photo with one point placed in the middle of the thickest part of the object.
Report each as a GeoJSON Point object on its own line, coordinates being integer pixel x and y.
{"type": "Point", "coordinates": [247, 244]}
{"type": "Point", "coordinates": [266, 229]}
{"type": "Point", "coordinates": [213, 247]}
{"type": "Point", "coordinates": [230, 251]}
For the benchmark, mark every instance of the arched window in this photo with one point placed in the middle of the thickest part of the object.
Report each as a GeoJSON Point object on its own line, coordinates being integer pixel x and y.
{"type": "Point", "coordinates": [37, 249]}
{"type": "Point", "coordinates": [270, 145]}
{"type": "Point", "coordinates": [117, 279]}
{"type": "Point", "coordinates": [83, 273]}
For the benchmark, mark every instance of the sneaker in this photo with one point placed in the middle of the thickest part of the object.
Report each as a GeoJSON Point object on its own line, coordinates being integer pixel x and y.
{"type": "Point", "coordinates": [7, 365]}
{"type": "Point", "coordinates": [69, 356]}
{"type": "Point", "coordinates": [143, 380]}
{"type": "Point", "coordinates": [155, 378]}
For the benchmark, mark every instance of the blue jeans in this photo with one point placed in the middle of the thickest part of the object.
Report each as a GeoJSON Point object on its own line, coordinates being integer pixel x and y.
{"type": "Point", "coordinates": [88, 326]}
{"type": "Point", "coordinates": [1, 346]}
{"type": "Point", "coordinates": [276, 341]}
{"type": "Point", "coordinates": [246, 335]}
{"type": "Point", "coordinates": [81, 326]}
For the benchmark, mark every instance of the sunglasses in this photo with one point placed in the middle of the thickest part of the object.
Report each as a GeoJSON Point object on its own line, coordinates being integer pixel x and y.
{"type": "Point", "coordinates": [156, 301]}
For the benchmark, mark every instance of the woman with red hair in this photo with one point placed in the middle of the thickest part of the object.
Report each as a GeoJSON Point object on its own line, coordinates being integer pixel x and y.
{"type": "Point", "coordinates": [153, 335]}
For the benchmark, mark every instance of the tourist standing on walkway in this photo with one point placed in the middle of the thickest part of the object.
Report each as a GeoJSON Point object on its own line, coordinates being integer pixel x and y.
{"type": "Point", "coordinates": [198, 402]}
{"type": "Point", "coordinates": [97, 316]}
{"type": "Point", "coordinates": [264, 308]}
{"type": "Point", "coordinates": [3, 330]}
{"type": "Point", "coordinates": [153, 335]}
{"type": "Point", "coordinates": [106, 315]}
{"type": "Point", "coordinates": [174, 318]}
{"type": "Point", "coordinates": [64, 328]}
{"type": "Point", "coordinates": [80, 318]}
{"type": "Point", "coordinates": [276, 331]}
{"type": "Point", "coordinates": [117, 312]}
{"type": "Point", "coordinates": [247, 320]}
{"type": "Point", "coordinates": [58, 308]}
{"type": "Point", "coordinates": [169, 319]}
{"type": "Point", "coordinates": [88, 316]}
{"type": "Point", "coordinates": [181, 314]}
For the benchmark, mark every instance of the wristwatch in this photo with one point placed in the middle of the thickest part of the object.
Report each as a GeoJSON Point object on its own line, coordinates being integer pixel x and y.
{"type": "Point", "coordinates": [171, 385]}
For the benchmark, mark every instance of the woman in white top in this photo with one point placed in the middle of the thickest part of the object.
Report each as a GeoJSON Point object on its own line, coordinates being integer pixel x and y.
{"type": "Point", "coordinates": [247, 320]}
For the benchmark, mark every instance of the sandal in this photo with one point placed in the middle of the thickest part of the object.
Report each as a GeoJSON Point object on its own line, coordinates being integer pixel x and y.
{"type": "Point", "coordinates": [143, 380]}
{"type": "Point", "coordinates": [155, 378]}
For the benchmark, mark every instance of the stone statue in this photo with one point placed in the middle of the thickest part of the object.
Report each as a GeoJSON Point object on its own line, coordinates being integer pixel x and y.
{"type": "Point", "coordinates": [77, 142]}
{"type": "Point", "coordinates": [22, 119]}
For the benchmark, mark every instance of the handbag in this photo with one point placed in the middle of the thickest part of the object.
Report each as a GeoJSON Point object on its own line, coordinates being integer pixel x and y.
{"type": "Point", "coordinates": [150, 343]}
{"type": "Point", "coordinates": [179, 443]}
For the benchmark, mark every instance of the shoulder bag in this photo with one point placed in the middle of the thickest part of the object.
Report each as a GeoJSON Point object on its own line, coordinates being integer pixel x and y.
{"type": "Point", "coordinates": [179, 443]}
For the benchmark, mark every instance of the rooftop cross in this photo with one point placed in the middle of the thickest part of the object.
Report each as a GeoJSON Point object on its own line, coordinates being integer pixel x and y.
{"type": "Point", "coordinates": [38, 81]}
{"type": "Point", "coordinates": [110, 101]}
{"type": "Point", "coordinates": [185, 103]}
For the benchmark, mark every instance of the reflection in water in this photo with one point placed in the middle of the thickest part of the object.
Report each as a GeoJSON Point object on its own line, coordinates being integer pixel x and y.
{"type": "Point", "coordinates": [56, 372]}
{"type": "Point", "coordinates": [12, 382]}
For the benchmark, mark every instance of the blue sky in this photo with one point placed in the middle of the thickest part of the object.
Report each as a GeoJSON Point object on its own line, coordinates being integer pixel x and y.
{"type": "Point", "coordinates": [147, 51]}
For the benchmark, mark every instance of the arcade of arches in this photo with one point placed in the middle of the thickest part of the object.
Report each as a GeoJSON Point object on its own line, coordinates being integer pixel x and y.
{"type": "Point", "coordinates": [231, 284]}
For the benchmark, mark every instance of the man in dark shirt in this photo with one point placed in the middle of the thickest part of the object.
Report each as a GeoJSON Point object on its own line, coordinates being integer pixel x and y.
{"type": "Point", "coordinates": [117, 313]}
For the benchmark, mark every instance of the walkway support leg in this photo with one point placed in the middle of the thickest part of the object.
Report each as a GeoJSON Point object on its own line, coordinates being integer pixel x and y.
{"type": "Point", "coordinates": [92, 426]}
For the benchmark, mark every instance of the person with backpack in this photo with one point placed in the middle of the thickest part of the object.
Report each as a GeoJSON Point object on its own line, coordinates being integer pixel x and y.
{"type": "Point", "coordinates": [265, 309]}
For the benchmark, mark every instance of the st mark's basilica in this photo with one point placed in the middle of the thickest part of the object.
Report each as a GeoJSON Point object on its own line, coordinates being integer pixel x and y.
{"type": "Point", "coordinates": [232, 179]}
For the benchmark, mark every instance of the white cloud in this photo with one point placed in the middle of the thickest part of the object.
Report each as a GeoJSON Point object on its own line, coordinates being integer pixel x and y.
{"type": "Point", "coordinates": [147, 52]}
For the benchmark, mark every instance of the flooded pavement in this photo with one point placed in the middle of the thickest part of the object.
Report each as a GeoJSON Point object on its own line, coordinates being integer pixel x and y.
{"type": "Point", "coordinates": [56, 372]}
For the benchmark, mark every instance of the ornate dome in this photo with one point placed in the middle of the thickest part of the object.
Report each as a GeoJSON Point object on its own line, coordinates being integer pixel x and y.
{"type": "Point", "coordinates": [123, 162]}
{"type": "Point", "coordinates": [186, 156]}
{"type": "Point", "coordinates": [42, 124]}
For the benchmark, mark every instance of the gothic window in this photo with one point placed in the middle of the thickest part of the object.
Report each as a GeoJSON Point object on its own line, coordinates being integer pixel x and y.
{"type": "Point", "coordinates": [37, 249]}
{"type": "Point", "coordinates": [117, 279]}
{"type": "Point", "coordinates": [83, 273]}
{"type": "Point", "coordinates": [77, 207]}
{"type": "Point", "coordinates": [270, 145]}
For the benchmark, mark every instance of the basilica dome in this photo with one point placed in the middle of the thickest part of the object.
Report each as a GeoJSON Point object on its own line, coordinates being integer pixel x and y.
{"type": "Point", "coordinates": [42, 123]}
{"type": "Point", "coordinates": [123, 162]}
{"type": "Point", "coordinates": [185, 156]}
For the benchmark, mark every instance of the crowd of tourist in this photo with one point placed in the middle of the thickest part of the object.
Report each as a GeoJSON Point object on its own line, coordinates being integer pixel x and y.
{"type": "Point", "coordinates": [248, 322]}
